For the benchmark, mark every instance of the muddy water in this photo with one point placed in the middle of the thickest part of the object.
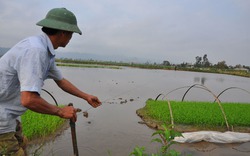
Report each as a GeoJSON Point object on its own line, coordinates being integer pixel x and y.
{"type": "Point", "coordinates": [113, 128]}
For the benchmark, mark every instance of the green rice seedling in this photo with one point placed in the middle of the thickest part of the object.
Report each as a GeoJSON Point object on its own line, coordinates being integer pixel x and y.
{"type": "Point", "coordinates": [238, 114]}
{"type": "Point", "coordinates": [138, 151]}
{"type": "Point", "coordinates": [37, 125]}
{"type": "Point", "coordinates": [203, 114]}
{"type": "Point", "coordinates": [166, 138]}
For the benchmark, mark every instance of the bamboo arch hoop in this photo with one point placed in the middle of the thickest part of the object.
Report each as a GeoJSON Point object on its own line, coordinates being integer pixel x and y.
{"type": "Point", "coordinates": [216, 98]}
{"type": "Point", "coordinates": [201, 87]}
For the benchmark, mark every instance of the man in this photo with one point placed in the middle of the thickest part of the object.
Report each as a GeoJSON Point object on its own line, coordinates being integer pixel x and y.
{"type": "Point", "coordinates": [23, 70]}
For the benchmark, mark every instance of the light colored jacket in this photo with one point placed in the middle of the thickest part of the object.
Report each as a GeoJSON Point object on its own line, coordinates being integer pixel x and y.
{"type": "Point", "coordinates": [24, 68]}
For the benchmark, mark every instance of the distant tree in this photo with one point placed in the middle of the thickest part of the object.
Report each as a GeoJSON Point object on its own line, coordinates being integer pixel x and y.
{"type": "Point", "coordinates": [238, 66]}
{"type": "Point", "coordinates": [198, 61]}
{"type": "Point", "coordinates": [166, 63]}
{"type": "Point", "coordinates": [205, 62]}
{"type": "Point", "coordinates": [222, 65]}
{"type": "Point", "coordinates": [183, 64]}
{"type": "Point", "coordinates": [247, 67]}
{"type": "Point", "coordinates": [147, 63]}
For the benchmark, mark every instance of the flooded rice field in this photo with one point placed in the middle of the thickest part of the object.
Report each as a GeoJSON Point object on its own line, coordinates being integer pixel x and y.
{"type": "Point", "coordinates": [113, 129]}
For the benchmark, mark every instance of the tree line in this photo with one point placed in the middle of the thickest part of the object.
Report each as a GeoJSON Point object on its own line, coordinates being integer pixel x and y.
{"type": "Point", "coordinates": [203, 62]}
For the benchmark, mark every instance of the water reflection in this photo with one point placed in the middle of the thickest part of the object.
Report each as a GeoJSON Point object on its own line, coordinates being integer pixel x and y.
{"type": "Point", "coordinates": [200, 80]}
{"type": "Point", "coordinates": [220, 79]}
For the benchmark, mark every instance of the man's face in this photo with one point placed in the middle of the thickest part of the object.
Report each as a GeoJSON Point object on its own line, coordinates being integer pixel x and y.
{"type": "Point", "coordinates": [65, 38]}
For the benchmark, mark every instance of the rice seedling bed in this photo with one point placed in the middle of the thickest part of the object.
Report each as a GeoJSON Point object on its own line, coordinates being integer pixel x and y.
{"type": "Point", "coordinates": [202, 115]}
{"type": "Point", "coordinates": [36, 125]}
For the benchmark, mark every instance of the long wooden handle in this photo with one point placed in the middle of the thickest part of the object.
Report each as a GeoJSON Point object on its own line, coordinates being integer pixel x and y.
{"type": "Point", "coordinates": [73, 135]}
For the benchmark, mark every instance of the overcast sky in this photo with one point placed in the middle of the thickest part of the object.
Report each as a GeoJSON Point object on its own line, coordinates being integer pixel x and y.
{"type": "Point", "coordinates": [156, 30]}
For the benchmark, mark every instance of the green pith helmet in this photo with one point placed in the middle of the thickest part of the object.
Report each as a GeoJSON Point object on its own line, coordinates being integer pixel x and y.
{"type": "Point", "coordinates": [61, 19]}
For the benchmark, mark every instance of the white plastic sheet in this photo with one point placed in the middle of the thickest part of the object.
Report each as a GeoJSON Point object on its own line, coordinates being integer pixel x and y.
{"type": "Point", "coordinates": [213, 136]}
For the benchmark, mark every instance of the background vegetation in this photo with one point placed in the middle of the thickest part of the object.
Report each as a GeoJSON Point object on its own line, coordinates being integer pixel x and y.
{"type": "Point", "coordinates": [201, 64]}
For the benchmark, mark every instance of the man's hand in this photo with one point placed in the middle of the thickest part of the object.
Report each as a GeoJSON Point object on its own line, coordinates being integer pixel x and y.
{"type": "Point", "coordinates": [70, 88]}
{"type": "Point", "coordinates": [93, 101]}
{"type": "Point", "coordinates": [67, 112]}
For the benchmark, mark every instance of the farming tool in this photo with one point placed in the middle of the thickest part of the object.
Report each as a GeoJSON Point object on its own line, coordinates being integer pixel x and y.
{"type": "Point", "coordinates": [72, 124]}
{"type": "Point", "coordinates": [73, 133]}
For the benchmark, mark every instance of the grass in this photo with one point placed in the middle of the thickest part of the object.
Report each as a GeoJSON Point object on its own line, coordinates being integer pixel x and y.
{"type": "Point", "coordinates": [36, 125]}
{"type": "Point", "coordinates": [201, 114]}
{"type": "Point", "coordinates": [87, 65]}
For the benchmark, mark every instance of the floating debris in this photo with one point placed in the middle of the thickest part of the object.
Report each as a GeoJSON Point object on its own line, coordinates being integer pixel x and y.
{"type": "Point", "coordinates": [122, 102]}
{"type": "Point", "coordinates": [86, 114]}
{"type": "Point", "coordinates": [78, 110]}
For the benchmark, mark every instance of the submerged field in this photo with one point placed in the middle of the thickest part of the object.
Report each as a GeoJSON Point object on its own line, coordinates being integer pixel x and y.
{"type": "Point", "coordinates": [191, 116]}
